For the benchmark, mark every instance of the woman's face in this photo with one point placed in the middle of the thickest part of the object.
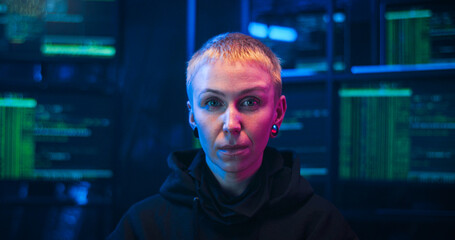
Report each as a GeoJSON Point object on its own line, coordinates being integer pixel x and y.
{"type": "Point", "coordinates": [234, 107]}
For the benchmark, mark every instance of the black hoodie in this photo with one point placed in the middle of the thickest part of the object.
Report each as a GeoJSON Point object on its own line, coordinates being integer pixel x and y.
{"type": "Point", "coordinates": [277, 204]}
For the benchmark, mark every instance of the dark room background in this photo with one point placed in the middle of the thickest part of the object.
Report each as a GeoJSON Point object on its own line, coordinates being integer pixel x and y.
{"type": "Point", "coordinates": [93, 100]}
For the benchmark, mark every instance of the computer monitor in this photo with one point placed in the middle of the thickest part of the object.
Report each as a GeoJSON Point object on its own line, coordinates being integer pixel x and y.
{"type": "Point", "coordinates": [396, 161]}
{"type": "Point", "coordinates": [57, 135]}
{"type": "Point", "coordinates": [395, 146]}
{"type": "Point", "coordinates": [56, 29]}
{"type": "Point", "coordinates": [419, 33]}
{"type": "Point", "coordinates": [397, 131]}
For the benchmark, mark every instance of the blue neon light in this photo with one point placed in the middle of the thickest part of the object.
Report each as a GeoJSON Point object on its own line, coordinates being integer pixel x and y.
{"type": "Point", "coordinates": [299, 72]}
{"type": "Point", "coordinates": [339, 17]}
{"type": "Point", "coordinates": [258, 30]}
{"type": "Point", "coordinates": [402, 68]}
{"type": "Point", "coordinates": [313, 171]}
{"type": "Point", "coordinates": [285, 34]}
{"type": "Point", "coordinates": [37, 76]}
{"type": "Point", "coordinates": [79, 193]}
{"type": "Point", "coordinates": [277, 33]}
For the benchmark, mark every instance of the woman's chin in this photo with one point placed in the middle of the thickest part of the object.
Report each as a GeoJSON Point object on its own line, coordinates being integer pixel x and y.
{"type": "Point", "coordinates": [234, 166]}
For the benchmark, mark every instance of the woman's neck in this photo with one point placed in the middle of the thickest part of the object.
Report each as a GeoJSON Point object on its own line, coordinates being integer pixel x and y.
{"type": "Point", "coordinates": [234, 183]}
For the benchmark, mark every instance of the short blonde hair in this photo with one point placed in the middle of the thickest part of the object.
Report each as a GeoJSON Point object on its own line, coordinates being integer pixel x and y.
{"type": "Point", "coordinates": [235, 47]}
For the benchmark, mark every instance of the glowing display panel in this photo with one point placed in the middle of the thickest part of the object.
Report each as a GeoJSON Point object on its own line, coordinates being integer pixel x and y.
{"type": "Point", "coordinates": [420, 34]}
{"type": "Point", "coordinates": [42, 29]}
{"type": "Point", "coordinates": [56, 136]}
{"type": "Point", "coordinates": [394, 131]}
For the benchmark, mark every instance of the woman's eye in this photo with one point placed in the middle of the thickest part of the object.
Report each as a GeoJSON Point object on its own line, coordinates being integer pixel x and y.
{"type": "Point", "coordinates": [250, 102]}
{"type": "Point", "coordinates": [213, 103]}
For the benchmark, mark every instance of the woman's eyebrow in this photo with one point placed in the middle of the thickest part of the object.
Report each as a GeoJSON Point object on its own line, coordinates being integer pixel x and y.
{"type": "Point", "coordinates": [254, 89]}
{"type": "Point", "coordinates": [243, 92]}
{"type": "Point", "coordinates": [209, 90]}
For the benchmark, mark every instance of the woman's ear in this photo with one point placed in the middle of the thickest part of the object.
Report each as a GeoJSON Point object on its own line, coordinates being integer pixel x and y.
{"type": "Point", "coordinates": [280, 110]}
{"type": "Point", "coordinates": [191, 120]}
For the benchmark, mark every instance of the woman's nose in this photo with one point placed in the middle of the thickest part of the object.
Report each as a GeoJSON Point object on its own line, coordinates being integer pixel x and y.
{"type": "Point", "coordinates": [232, 121]}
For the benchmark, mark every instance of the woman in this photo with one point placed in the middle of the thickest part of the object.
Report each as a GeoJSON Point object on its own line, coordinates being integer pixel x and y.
{"type": "Point", "coordinates": [235, 187]}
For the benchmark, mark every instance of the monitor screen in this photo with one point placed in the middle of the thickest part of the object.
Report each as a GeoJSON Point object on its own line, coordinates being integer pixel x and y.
{"type": "Point", "coordinates": [47, 29]}
{"type": "Point", "coordinates": [420, 34]}
{"type": "Point", "coordinates": [397, 131]}
{"type": "Point", "coordinates": [57, 135]}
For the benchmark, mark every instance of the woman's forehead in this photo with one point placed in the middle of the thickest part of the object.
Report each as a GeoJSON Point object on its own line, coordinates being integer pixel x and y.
{"type": "Point", "coordinates": [226, 74]}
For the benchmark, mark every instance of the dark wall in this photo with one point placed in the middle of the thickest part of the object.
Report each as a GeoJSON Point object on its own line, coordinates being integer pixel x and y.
{"type": "Point", "coordinates": [216, 17]}
{"type": "Point", "coordinates": [151, 78]}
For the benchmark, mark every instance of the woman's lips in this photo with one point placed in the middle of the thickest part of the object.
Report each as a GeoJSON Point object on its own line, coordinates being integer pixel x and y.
{"type": "Point", "coordinates": [233, 149]}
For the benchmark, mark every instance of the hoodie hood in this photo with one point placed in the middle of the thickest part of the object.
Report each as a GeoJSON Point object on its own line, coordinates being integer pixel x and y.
{"type": "Point", "coordinates": [276, 188]}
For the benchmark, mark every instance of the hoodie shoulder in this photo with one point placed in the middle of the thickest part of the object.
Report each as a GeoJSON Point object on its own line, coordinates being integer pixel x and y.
{"type": "Point", "coordinates": [324, 221]}
{"type": "Point", "coordinates": [150, 218]}
{"type": "Point", "coordinates": [132, 222]}
{"type": "Point", "coordinates": [179, 186]}
{"type": "Point", "coordinates": [182, 159]}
